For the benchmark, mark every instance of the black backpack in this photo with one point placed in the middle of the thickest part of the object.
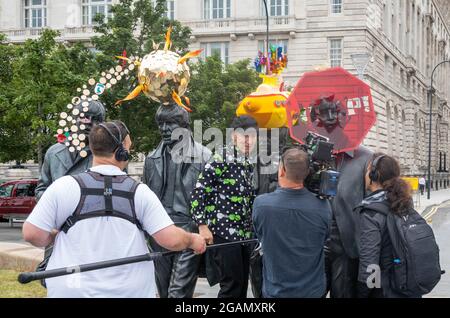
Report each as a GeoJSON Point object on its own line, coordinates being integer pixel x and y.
{"type": "Point", "coordinates": [416, 269]}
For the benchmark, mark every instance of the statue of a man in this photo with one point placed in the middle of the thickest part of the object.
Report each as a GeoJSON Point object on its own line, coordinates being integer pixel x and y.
{"type": "Point", "coordinates": [172, 175]}
{"type": "Point", "coordinates": [59, 161]}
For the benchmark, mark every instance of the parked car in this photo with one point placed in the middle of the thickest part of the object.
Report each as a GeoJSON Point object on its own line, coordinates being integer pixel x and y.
{"type": "Point", "coordinates": [17, 199]}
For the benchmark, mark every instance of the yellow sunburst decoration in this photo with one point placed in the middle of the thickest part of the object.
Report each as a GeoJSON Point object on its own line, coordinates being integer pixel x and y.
{"type": "Point", "coordinates": [163, 75]}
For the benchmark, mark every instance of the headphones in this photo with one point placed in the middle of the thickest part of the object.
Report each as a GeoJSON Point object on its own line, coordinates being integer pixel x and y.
{"type": "Point", "coordinates": [121, 154]}
{"type": "Point", "coordinates": [374, 175]}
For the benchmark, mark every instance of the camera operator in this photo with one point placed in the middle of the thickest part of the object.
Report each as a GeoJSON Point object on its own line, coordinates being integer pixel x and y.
{"type": "Point", "coordinates": [341, 249]}
{"type": "Point", "coordinates": [292, 225]}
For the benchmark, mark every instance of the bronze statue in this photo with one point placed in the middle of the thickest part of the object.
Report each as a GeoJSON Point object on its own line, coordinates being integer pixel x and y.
{"type": "Point", "coordinates": [172, 176]}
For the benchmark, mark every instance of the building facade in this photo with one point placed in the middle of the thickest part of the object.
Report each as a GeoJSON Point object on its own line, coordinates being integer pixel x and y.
{"type": "Point", "coordinates": [402, 41]}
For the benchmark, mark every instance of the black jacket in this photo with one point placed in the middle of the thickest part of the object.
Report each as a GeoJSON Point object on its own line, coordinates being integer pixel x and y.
{"type": "Point", "coordinates": [351, 191]}
{"type": "Point", "coordinates": [374, 245]}
{"type": "Point", "coordinates": [194, 160]}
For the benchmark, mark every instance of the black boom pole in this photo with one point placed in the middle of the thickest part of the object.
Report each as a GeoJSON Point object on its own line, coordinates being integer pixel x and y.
{"type": "Point", "coordinates": [25, 278]}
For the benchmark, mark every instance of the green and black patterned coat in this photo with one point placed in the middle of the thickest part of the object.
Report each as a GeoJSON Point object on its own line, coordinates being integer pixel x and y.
{"type": "Point", "coordinates": [223, 198]}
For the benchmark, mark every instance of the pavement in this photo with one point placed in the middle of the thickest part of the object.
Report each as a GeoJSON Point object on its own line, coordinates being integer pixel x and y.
{"type": "Point", "coordinates": [439, 218]}
{"type": "Point", "coordinates": [422, 204]}
{"type": "Point", "coordinates": [16, 253]}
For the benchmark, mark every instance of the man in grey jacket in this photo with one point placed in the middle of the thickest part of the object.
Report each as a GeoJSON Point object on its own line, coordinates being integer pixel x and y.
{"type": "Point", "coordinates": [342, 249]}
{"type": "Point", "coordinates": [171, 172]}
{"type": "Point", "coordinates": [59, 161]}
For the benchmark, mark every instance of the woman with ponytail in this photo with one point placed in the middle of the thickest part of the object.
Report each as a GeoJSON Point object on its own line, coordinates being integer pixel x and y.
{"type": "Point", "coordinates": [389, 194]}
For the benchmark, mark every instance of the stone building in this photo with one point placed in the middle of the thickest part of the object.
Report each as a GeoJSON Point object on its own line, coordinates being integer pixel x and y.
{"type": "Point", "coordinates": [402, 40]}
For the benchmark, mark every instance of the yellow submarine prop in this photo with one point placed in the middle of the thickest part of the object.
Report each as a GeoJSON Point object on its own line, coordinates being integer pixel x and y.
{"type": "Point", "coordinates": [267, 105]}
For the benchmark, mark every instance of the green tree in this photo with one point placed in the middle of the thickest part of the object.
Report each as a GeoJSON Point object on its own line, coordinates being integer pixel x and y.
{"type": "Point", "coordinates": [43, 76]}
{"type": "Point", "coordinates": [216, 90]}
{"type": "Point", "coordinates": [12, 143]}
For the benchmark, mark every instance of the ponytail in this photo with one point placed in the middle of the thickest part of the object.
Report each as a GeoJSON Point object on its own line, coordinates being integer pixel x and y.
{"type": "Point", "coordinates": [398, 193]}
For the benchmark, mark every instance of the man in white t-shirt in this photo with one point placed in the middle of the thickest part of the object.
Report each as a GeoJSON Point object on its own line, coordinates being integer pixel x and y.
{"type": "Point", "coordinates": [422, 184]}
{"type": "Point", "coordinates": [104, 238]}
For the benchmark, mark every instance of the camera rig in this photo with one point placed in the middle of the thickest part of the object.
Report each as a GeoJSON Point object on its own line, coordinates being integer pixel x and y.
{"type": "Point", "coordinates": [323, 179]}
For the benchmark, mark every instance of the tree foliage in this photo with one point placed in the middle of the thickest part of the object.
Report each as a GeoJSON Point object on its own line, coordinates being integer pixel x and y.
{"type": "Point", "coordinates": [38, 80]}
{"type": "Point", "coordinates": [216, 90]}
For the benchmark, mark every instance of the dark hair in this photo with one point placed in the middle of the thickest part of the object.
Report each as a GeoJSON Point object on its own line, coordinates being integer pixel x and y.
{"type": "Point", "coordinates": [398, 191]}
{"type": "Point", "coordinates": [295, 162]}
{"type": "Point", "coordinates": [101, 143]}
{"type": "Point", "coordinates": [172, 113]}
{"type": "Point", "coordinates": [244, 122]}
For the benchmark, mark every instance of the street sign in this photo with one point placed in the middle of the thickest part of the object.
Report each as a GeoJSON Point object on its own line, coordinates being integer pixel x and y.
{"type": "Point", "coordinates": [360, 61]}
{"type": "Point", "coordinates": [356, 114]}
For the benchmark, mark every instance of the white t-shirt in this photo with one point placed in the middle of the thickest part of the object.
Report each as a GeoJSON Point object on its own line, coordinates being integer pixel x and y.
{"type": "Point", "coordinates": [99, 239]}
{"type": "Point", "coordinates": [422, 181]}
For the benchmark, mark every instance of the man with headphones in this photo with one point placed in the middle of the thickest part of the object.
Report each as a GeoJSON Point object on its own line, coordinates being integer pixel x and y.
{"type": "Point", "coordinates": [103, 214]}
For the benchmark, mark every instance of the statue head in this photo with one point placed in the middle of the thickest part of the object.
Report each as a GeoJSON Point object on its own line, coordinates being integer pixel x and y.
{"type": "Point", "coordinates": [169, 118]}
{"type": "Point", "coordinates": [328, 112]}
{"type": "Point", "coordinates": [96, 114]}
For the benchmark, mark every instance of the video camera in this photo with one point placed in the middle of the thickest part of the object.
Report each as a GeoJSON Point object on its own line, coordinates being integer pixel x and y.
{"type": "Point", "coordinates": [323, 179]}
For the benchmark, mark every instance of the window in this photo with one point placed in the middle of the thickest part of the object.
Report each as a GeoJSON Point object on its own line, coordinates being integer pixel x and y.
{"type": "Point", "coordinates": [25, 190]}
{"type": "Point", "coordinates": [282, 43]}
{"type": "Point", "coordinates": [35, 13]}
{"type": "Point", "coordinates": [386, 66]}
{"type": "Point", "coordinates": [91, 8]}
{"type": "Point", "coordinates": [276, 8]}
{"type": "Point", "coordinates": [335, 52]}
{"type": "Point", "coordinates": [6, 190]}
{"type": "Point", "coordinates": [216, 48]}
{"type": "Point", "coordinates": [394, 74]}
{"type": "Point", "coordinates": [336, 6]}
{"type": "Point", "coordinates": [385, 20]}
{"type": "Point", "coordinates": [216, 9]}
{"type": "Point", "coordinates": [402, 79]}
{"type": "Point", "coordinates": [170, 9]}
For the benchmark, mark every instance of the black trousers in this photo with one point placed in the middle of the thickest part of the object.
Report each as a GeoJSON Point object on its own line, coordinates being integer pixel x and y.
{"type": "Point", "coordinates": [422, 189]}
{"type": "Point", "coordinates": [176, 276]}
{"type": "Point", "coordinates": [233, 264]}
{"type": "Point", "coordinates": [342, 271]}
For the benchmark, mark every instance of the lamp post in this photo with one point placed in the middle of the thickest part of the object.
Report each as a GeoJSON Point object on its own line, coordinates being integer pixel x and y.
{"type": "Point", "coordinates": [267, 37]}
{"type": "Point", "coordinates": [430, 104]}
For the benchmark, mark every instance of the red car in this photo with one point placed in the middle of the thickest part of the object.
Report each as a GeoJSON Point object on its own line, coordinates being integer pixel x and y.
{"type": "Point", "coordinates": [17, 199]}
